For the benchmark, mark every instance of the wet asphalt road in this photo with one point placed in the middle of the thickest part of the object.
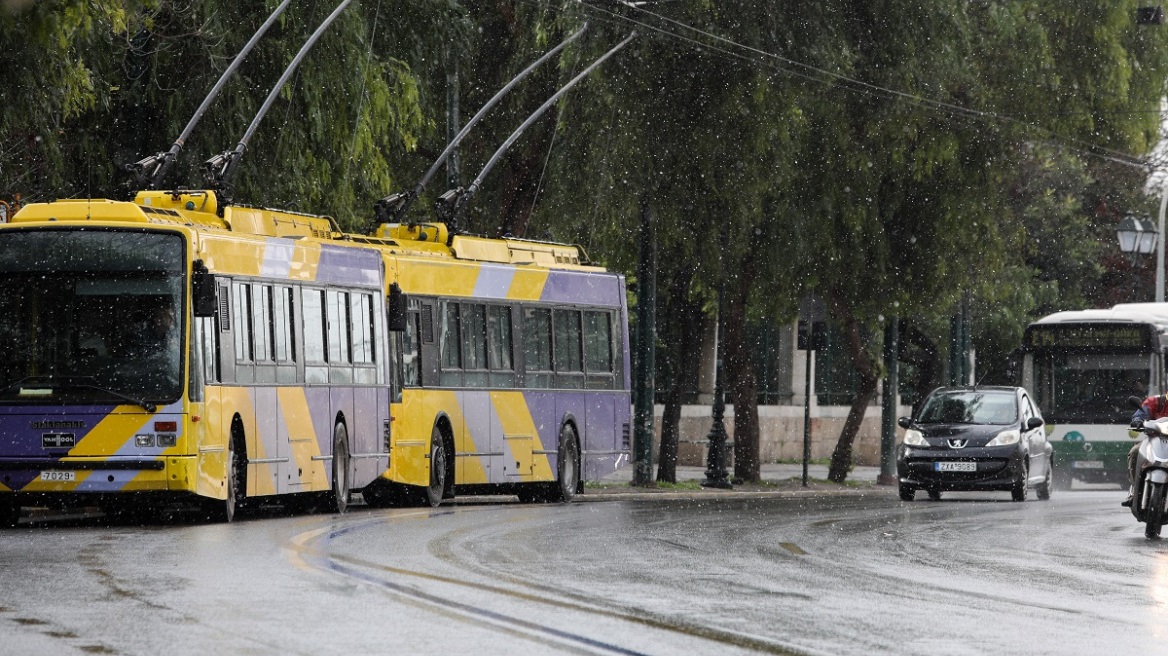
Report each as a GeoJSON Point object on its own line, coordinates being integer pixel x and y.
{"type": "Point", "coordinates": [859, 573]}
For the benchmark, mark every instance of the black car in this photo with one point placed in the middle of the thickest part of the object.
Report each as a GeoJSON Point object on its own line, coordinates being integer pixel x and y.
{"type": "Point", "coordinates": [975, 438]}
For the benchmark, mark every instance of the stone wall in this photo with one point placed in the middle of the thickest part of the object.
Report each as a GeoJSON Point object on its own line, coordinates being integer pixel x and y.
{"type": "Point", "coordinates": [780, 433]}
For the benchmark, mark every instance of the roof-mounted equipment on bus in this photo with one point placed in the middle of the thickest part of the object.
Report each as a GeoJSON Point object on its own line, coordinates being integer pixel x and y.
{"type": "Point", "coordinates": [221, 168]}
{"type": "Point", "coordinates": [149, 171]}
{"type": "Point", "coordinates": [451, 206]}
{"type": "Point", "coordinates": [392, 208]}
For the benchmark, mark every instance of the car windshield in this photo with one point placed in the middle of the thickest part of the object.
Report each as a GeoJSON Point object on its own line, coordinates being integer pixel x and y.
{"type": "Point", "coordinates": [970, 407]}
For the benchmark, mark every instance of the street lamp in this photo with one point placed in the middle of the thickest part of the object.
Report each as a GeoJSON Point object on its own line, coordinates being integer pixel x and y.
{"type": "Point", "coordinates": [1137, 237]}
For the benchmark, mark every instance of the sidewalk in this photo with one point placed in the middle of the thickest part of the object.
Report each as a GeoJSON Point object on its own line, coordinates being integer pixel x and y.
{"type": "Point", "coordinates": [777, 480]}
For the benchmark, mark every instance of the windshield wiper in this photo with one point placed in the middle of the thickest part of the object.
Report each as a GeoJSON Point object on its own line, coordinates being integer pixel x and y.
{"type": "Point", "coordinates": [84, 382]}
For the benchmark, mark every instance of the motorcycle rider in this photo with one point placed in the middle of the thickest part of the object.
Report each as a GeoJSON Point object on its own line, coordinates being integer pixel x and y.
{"type": "Point", "coordinates": [1153, 407]}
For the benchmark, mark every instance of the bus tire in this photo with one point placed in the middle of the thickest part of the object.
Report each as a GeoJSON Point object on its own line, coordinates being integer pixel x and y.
{"type": "Point", "coordinates": [338, 498]}
{"type": "Point", "coordinates": [9, 513]}
{"type": "Point", "coordinates": [567, 466]}
{"type": "Point", "coordinates": [434, 492]}
{"type": "Point", "coordinates": [236, 482]}
{"type": "Point", "coordinates": [1154, 513]}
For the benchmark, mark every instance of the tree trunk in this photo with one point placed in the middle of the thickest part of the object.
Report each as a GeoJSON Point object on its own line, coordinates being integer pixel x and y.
{"type": "Point", "coordinates": [841, 458]}
{"type": "Point", "coordinates": [667, 455]}
{"type": "Point", "coordinates": [681, 333]}
{"type": "Point", "coordinates": [744, 382]}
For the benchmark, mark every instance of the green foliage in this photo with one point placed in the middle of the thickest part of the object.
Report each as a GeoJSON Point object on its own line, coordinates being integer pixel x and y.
{"type": "Point", "coordinates": [882, 153]}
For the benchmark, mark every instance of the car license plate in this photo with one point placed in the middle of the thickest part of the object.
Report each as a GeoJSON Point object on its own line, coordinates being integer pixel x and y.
{"type": "Point", "coordinates": [1087, 464]}
{"type": "Point", "coordinates": [59, 476]}
{"type": "Point", "coordinates": [955, 466]}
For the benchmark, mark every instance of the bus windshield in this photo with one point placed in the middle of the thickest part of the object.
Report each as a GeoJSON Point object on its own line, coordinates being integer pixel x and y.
{"type": "Point", "coordinates": [1089, 388]}
{"type": "Point", "coordinates": [90, 316]}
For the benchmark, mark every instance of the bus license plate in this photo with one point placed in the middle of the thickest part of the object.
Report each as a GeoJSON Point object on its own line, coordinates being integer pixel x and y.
{"type": "Point", "coordinates": [955, 466]}
{"type": "Point", "coordinates": [59, 476]}
{"type": "Point", "coordinates": [1087, 464]}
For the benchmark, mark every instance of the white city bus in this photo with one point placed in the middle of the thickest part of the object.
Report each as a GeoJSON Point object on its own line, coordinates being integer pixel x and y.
{"type": "Point", "coordinates": [1081, 367]}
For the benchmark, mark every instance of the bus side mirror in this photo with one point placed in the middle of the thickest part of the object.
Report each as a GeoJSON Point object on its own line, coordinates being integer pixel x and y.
{"type": "Point", "coordinates": [203, 291]}
{"type": "Point", "coordinates": [396, 312]}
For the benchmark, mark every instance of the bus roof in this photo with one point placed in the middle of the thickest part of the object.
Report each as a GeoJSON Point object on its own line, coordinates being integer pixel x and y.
{"type": "Point", "coordinates": [1150, 313]}
{"type": "Point", "coordinates": [202, 211]}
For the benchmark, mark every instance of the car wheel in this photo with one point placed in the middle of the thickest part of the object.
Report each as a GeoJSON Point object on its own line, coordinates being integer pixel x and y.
{"type": "Point", "coordinates": [934, 494]}
{"type": "Point", "coordinates": [1020, 488]}
{"type": "Point", "coordinates": [907, 493]}
{"type": "Point", "coordinates": [1043, 489]}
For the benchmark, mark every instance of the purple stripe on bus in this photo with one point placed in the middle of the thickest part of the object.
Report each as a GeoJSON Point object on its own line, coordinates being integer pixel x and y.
{"type": "Point", "coordinates": [348, 266]}
{"type": "Point", "coordinates": [584, 288]}
{"type": "Point", "coordinates": [493, 281]}
{"type": "Point", "coordinates": [278, 258]}
{"type": "Point", "coordinates": [17, 480]}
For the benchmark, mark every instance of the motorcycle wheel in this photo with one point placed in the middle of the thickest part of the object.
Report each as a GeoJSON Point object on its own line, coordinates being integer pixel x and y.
{"type": "Point", "coordinates": [1154, 512]}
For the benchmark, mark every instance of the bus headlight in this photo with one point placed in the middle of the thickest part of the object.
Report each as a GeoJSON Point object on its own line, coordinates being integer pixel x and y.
{"type": "Point", "coordinates": [143, 441]}
{"type": "Point", "coordinates": [1005, 437]}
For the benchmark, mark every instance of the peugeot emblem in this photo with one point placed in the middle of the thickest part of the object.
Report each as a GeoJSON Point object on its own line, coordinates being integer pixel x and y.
{"type": "Point", "coordinates": [958, 444]}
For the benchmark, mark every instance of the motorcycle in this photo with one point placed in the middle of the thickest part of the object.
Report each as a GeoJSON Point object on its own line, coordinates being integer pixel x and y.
{"type": "Point", "coordinates": [1151, 484]}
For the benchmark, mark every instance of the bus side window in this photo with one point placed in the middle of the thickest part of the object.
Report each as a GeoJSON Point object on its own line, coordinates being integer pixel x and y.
{"type": "Point", "coordinates": [312, 307]}
{"type": "Point", "coordinates": [568, 349]}
{"type": "Point", "coordinates": [474, 345]}
{"type": "Point", "coordinates": [537, 347]}
{"type": "Point", "coordinates": [411, 351]}
{"type": "Point", "coordinates": [450, 341]}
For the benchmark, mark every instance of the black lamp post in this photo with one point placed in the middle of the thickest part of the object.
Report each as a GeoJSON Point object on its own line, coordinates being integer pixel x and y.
{"type": "Point", "coordinates": [1137, 237]}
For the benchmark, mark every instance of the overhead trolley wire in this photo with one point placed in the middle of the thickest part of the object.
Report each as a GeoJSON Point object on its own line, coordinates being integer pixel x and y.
{"type": "Point", "coordinates": [785, 65]}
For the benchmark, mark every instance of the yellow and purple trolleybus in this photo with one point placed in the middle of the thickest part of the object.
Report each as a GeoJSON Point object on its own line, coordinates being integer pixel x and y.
{"type": "Point", "coordinates": [299, 362]}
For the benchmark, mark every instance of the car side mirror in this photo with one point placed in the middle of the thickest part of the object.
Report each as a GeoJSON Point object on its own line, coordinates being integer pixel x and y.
{"type": "Point", "coordinates": [1034, 422]}
{"type": "Point", "coordinates": [904, 422]}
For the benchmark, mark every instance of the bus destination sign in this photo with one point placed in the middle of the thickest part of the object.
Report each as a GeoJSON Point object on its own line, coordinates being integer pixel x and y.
{"type": "Point", "coordinates": [1094, 336]}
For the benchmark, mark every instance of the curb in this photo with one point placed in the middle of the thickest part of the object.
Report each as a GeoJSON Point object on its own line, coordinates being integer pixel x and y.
{"type": "Point", "coordinates": [620, 493]}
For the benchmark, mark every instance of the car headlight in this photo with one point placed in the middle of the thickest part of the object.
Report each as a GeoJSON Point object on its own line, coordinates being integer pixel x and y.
{"type": "Point", "coordinates": [914, 438]}
{"type": "Point", "coordinates": [1005, 437]}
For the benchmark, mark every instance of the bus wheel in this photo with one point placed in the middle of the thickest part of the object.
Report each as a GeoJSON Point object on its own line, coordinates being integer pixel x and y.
{"type": "Point", "coordinates": [1061, 480]}
{"type": "Point", "coordinates": [339, 498]}
{"type": "Point", "coordinates": [567, 466]}
{"type": "Point", "coordinates": [9, 513]}
{"type": "Point", "coordinates": [236, 482]}
{"type": "Point", "coordinates": [437, 486]}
